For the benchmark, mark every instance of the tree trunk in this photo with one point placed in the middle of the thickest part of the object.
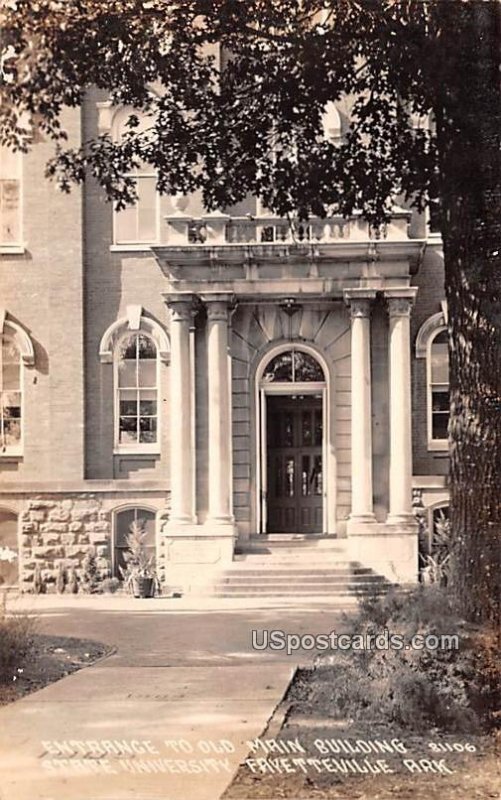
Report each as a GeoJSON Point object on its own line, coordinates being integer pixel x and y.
{"type": "Point", "coordinates": [468, 127]}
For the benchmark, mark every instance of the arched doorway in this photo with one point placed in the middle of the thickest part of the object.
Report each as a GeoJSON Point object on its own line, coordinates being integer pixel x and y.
{"type": "Point", "coordinates": [9, 550]}
{"type": "Point", "coordinates": [144, 518]}
{"type": "Point", "coordinates": [293, 439]}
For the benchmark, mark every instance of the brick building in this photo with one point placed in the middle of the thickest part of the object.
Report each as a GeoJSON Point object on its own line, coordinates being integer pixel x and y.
{"type": "Point", "coordinates": [219, 376]}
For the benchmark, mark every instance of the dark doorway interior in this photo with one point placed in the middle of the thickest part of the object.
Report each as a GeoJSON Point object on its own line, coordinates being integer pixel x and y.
{"type": "Point", "coordinates": [294, 464]}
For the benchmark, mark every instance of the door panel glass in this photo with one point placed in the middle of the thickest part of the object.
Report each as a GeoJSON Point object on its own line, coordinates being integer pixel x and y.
{"type": "Point", "coordinates": [306, 428]}
{"type": "Point", "coordinates": [318, 428]}
{"type": "Point", "coordinates": [290, 471]}
{"type": "Point", "coordinates": [305, 474]}
{"type": "Point", "coordinates": [288, 440]}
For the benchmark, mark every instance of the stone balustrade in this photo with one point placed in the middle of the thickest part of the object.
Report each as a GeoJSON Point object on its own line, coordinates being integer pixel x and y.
{"type": "Point", "coordinates": [218, 229]}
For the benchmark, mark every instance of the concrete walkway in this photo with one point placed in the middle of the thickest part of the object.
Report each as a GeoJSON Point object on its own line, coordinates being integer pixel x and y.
{"type": "Point", "coordinates": [184, 689]}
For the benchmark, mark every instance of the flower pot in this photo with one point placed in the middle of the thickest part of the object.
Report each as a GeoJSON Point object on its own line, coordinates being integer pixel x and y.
{"type": "Point", "coordinates": [143, 587]}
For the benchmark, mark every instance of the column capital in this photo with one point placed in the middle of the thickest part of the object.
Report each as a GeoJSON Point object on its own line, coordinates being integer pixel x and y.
{"type": "Point", "coordinates": [218, 305]}
{"type": "Point", "coordinates": [359, 301]}
{"type": "Point", "coordinates": [400, 301]}
{"type": "Point", "coordinates": [183, 306]}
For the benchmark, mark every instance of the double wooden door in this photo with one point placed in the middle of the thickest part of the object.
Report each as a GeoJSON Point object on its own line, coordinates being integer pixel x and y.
{"type": "Point", "coordinates": [294, 434]}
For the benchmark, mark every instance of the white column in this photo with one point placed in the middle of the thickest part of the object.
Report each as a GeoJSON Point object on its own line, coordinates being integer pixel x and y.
{"type": "Point", "coordinates": [181, 406]}
{"type": "Point", "coordinates": [400, 303]}
{"type": "Point", "coordinates": [359, 301]}
{"type": "Point", "coordinates": [220, 435]}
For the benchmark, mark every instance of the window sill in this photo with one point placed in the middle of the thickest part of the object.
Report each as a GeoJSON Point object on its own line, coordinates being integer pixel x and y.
{"type": "Point", "coordinates": [132, 248]}
{"type": "Point", "coordinates": [12, 249]}
{"type": "Point", "coordinates": [438, 446]}
{"type": "Point", "coordinates": [11, 456]}
{"type": "Point", "coordinates": [136, 453]}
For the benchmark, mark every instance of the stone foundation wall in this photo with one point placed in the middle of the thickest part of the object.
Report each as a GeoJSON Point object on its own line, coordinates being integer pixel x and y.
{"type": "Point", "coordinates": [58, 531]}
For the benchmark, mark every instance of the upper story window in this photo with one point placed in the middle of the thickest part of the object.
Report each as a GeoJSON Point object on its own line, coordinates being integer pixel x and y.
{"type": "Point", "coordinates": [10, 397]}
{"type": "Point", "coordinates": [10, 198]}
{"type": "Point", "coordinates": [438, 388]}
{"type": "Point", "coordinates": [432, 345]}
{"type": "Point", "coordinates": [137, 224]}
{"type": "Point", "coordinates": [137, 392]}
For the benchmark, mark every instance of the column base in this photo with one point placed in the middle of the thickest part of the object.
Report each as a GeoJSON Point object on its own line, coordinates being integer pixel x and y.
{"type": "Point", "coordinates": [389, 550]}
{"type": "Point", "coordinates": [221, 524]}
{"type": "Point", "coordinates": [405, 521]}
{"type": "Point", "coordinates": [192, 554]}
{"type": "Point", "coordinates": [173, 523]}
{"type": "Point", "coordinates": [360, 523]}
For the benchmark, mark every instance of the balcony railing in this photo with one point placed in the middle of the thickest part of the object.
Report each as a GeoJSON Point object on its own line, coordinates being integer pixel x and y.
{"type": "Point", "coordinates": [220, 229]}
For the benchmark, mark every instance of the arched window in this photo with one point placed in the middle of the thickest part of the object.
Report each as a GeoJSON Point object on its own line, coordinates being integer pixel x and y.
{"type": "Point", "coordinates": [432, 344]}
{"type": "Point", "coordinates": [137, 224]}
{"type": "Point", "coordinates": [10, 397]}
{"type": "Point", "coordinates": [126, 521]}
{"type": "Point", "coordinates": [438, 388]}
{"type": "Point", "coordinates": [293, 366]}
{"type": "Point", "coordinates": [136, 383]}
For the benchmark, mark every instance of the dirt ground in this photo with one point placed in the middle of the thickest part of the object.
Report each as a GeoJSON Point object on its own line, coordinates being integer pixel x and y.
{"type": "Point", "coordinates": [475, 776]}
{"type": "Point", "coordinates": [430, 766]}
{"type": "Point", "coordinates": [54, 657]}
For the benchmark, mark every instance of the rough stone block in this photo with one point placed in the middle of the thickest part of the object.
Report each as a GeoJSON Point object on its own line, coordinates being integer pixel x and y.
{"type": "Point", "coordinates": [97, 538]}
{"type": "Point", "coordinates": [37, 516]}
{"type": "Point", "coordinates": [74, 527]}
{"type": "Point", "coordinates": [94, 527]}
{"type": "Point", "coordinates": [29, 527]}
{"type": "Point", "coordinates": [59, 515]}
{"type": "Point", "coordinates": [76, 550]}
{"type": "Point", "coordinates": [50, 527]}
{"type": "Point", "coordinates": [52, 537]}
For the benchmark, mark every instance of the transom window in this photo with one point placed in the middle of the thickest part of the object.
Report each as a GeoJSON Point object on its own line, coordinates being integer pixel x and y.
{"type": "Point", "coordinates": [10, 197]}
{"type": "Point", "coordinates": [10, 396]}
{"type": "Point", "coordinates": [293, 366]}
{"type": "Point", "coordinates": [438, 388]}
{"type": "Point", "coordinates": [137, 385]}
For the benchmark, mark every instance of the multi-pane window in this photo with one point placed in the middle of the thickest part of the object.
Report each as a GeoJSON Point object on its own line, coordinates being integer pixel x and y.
{"type": "Point", "coordinates": [10, 197]}
{"type": "Point", "coordinates": [293, 366]}
{"type": "Point", "coordinates": [138, 223]}
{"type": "Point", "coordinates": [10, 397]}
{"type": "Point", "coordinates": [438, 389]}
{"type": "Point", "coordinates": [125, 521]}
{"type": "Point", "coordinates": [137, 379]}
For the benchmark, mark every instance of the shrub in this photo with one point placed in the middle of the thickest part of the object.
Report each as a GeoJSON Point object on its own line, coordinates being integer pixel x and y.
{"type": "Point", "coordinates": [110, 585]}
{"type": "Point", "coordinates": [61, 579]}
{"type": "Point", "coordinates": [39, 586]}
{"type": "Point", "coordinates": [73, 581]}
{"type": "Point", "coordinates": [454, 690]}
{"type": "Point", "coordinates": [17, 632]}
{"type": "Point", "coordinates": [90, 574]}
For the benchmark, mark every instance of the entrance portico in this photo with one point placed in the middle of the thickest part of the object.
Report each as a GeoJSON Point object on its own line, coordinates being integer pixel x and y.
{"type": "Point", "coordinates": [243, 307]}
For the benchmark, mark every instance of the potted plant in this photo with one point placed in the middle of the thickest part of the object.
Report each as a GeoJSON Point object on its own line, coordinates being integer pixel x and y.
{"type": "Point", "coordinates": [140, 577]}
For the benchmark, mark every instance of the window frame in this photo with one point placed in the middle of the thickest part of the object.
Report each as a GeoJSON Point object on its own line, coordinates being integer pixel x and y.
{"type": "Point", "coordinates": [119, 118]}
{"type": "Point", "coordinates": [434, 444]}
{"type": "Point", "coordinates": [116, 514]}
{"type": "Point", "coordinates": [9, 451]}
{"type": "Point", "coordinates": [17, 246]}
{"type": "Point", "coordinates": [134, 448]}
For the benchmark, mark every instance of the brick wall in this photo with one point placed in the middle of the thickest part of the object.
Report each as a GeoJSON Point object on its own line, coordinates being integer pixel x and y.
{"type": "Point", "coordinates": [42, 290]}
